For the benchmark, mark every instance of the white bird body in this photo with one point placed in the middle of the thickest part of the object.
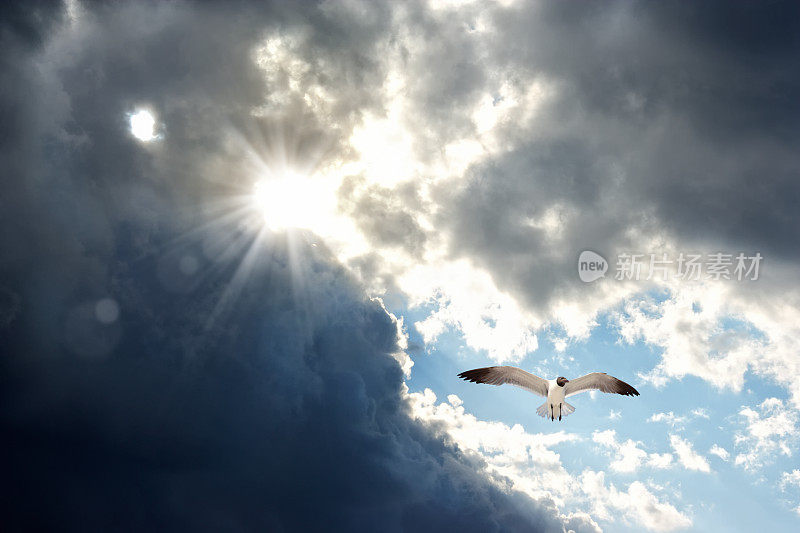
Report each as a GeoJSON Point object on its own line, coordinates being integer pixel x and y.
{"type": "Point", "coordinates": [555, 398]}
{"type": "Point", "coordinates": [555, 390]}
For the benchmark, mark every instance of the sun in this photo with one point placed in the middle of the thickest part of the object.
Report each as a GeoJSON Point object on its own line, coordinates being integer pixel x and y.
{"type": "Point", "coordinates": [293, 200]}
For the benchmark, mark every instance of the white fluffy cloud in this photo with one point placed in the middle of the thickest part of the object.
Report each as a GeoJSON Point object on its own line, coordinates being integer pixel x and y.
{"type": "Point", "coordinates": [720, 452]}
{"type": "Point", "coordinates": [466, 298]}
{"type": "Point", "coordinates": [674, 420]}
{"type": "Point", "coordinates": [690, 459]}
{"type": "Point", "coordinates": [531, 465]}
{"type": "Point", "coordinates": [637, 504]}
{"type": "Point", "coordinates": [791, 480]}
{"type": "Point", "coordinates": [691, 336]}
{"type": "Point", "coordinates": [770, 428]}
{"type": "Point", "coordinates": [628, 456]}
{"type": "Point", "coordinates": [669, 418]}
{"type": "Point", "coordinates": [719, 332]}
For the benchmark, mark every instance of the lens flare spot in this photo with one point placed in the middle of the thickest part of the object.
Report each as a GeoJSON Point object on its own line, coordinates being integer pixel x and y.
{"type": "Point", "coordinates": [106, 311]}
{"type": "Point", "coordinates": [143, 125]}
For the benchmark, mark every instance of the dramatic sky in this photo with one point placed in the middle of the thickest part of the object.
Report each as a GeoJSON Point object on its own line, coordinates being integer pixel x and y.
{"type": "Point", "coordinates": [245, 249]}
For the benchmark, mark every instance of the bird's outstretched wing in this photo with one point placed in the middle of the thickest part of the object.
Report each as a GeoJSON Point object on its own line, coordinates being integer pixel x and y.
{"type": "Point", "coordinates": [599, 381]}
{"type": "Point", "coordinates": [498, 375]}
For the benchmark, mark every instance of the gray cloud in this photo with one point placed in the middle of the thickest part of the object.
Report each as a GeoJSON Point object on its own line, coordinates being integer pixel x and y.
{"type": "Point", "coordinates": [282, 412]}
{"type": "Point", "coordinates": [664, 119]}
{"type": "Point", "coordinates": [384, 215]}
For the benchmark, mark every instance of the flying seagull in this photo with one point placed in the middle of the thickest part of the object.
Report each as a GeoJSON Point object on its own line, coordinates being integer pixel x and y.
{"type": "Point", "coordinates": [555, 390]}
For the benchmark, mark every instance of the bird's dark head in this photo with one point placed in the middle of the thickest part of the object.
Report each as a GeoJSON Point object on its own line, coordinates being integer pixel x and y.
{"type": "Point", "coordinates": [561, 381]}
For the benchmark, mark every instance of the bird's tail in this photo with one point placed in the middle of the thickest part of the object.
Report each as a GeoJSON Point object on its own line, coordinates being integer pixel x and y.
{"type": "Point", "coordinates": [544, 410]}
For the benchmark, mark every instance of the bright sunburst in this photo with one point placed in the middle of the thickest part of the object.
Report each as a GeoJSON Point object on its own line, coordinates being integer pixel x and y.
{"type": "Point", "coordinates": [293, 200]}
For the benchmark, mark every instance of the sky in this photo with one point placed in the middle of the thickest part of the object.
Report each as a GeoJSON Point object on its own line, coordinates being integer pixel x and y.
{"type": "Point", "coordinates": [247, 247]}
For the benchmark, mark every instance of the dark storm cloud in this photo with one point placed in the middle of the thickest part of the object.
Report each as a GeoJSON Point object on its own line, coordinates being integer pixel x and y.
{"type": "Point", "coordinates": [124, 405]}
{"type": "Point", "coordinates": [286, 414]}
